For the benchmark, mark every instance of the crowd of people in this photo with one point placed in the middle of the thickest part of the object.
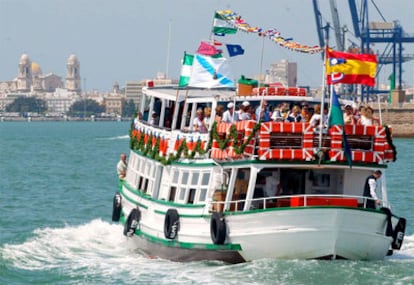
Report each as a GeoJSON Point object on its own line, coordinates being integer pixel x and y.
{"type": "Point", "coordinates": [300, 112]}
{"type": "Point", "coordinates": [265, 112]}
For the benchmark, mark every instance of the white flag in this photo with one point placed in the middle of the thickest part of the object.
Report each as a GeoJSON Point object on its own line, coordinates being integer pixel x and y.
{"type": "Point", "coordinates": [210, 72]}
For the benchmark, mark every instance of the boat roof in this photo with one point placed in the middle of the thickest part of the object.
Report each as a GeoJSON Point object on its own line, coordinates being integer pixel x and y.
{"type": "Point", "coordinates": [193, 94]}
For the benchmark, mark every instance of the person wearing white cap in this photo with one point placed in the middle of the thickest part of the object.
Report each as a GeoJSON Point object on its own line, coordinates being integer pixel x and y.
{"type": "Point", "coordinates": [229, 116]}
{"type": "Point", "coordinates": [244, 113]}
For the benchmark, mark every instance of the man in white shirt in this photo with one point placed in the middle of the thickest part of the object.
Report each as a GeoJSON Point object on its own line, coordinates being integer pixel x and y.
{"type": "Point", "coordinates": [230, 116]}
{"type": "Point", "coordinates": [122, 166]}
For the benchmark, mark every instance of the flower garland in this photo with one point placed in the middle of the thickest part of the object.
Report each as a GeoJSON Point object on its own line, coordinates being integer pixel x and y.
{"type": "Point", "coordinates": [137, 142]}
{"type": "Point", "coordinates": [233, 137]}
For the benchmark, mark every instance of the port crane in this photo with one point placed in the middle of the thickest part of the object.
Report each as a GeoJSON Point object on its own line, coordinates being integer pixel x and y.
{"type": "Point", "coordinates": [383, 32]}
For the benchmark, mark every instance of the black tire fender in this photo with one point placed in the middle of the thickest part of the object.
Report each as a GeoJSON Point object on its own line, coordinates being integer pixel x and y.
{"type": "Point", "coordinates": [171, 224]}
{"type": "Point", "coordinates": [116, 208]}
{"type": "Point", "coordinates": [398, 235]}
{"type": "Point", "coordinates": [218, 229]}
{"type": "Point", "coordinates": [132, 222]}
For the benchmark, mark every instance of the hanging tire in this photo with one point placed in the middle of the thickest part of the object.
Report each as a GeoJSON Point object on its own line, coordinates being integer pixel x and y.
{"type": "Point", "coordinates": [116, 208]}
{"type": "Point", "coordinates": [218, 229]}
{"type": "Point", "coordinates": [171, 224]}
{"type": "Point", "coordinates": [132, 222]}
{"type": "Point", "coordinates": [398, 235]}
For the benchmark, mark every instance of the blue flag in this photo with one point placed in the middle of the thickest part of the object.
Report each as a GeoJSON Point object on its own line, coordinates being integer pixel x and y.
{"type": "Point", "coordinates": [234, 50]}
{"type": "Point", "coordinates": [336, 117]}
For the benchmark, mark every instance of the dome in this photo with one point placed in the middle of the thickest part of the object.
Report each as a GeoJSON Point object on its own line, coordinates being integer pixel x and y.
{"type": "Point", "coordinates": [72, 59]}
{"type": "Point", "coordinates": [36, 70]}
{"type": "Point", "coordinates": [24, 59]}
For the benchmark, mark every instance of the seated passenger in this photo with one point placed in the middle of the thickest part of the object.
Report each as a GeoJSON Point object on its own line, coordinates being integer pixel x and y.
{"type": "Point", "coordinates": [230, 116]}
{"type": "Point", "coordinates": [199, 122]}
{"type": "Point", "coordinates": [349, 118]}
{"type": "Point", "coordinates": [367, 117]}
{"type": "Point", "coordinates": [244, 113]}
{"type": "Point", "coordinates": [295, 115]}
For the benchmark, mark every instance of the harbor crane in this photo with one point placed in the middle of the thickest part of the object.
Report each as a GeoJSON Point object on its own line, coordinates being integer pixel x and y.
{"type": "Point", "coordinates": [383, 32]}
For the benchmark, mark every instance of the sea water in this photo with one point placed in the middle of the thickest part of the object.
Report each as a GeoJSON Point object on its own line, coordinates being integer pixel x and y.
{"type": "Point", "coordinates": [57, 181]}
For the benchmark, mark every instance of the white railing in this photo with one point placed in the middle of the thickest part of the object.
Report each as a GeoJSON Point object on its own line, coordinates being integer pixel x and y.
{"type": "Point", "coordinates": [289, 201]}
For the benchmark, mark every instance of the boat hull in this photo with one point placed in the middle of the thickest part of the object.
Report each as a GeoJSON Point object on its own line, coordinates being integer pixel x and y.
{"type": "Point", "coordinates": [286, 233]}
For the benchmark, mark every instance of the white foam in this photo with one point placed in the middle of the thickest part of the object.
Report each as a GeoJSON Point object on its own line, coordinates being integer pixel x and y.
{"type": "Point", "coordinates": [100, 249]}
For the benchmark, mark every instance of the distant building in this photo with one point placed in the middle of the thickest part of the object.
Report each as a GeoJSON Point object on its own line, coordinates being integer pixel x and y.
{"type": "Point", "coordinates": [283, 72]}
{"type": "Point", "coordinates": [73, 78]}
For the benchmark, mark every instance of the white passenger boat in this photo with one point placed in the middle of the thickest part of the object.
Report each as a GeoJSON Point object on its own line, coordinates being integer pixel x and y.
{"type": "Point", "coordinates": [212, 196]}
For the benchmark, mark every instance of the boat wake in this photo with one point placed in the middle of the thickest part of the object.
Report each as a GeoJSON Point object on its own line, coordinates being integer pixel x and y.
{"type": "Point", "coordinates": [118, 138]}
{"type": "Point", "coordinates": [99, 248]}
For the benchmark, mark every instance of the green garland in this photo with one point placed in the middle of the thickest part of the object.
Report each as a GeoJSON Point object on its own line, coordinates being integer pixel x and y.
{"type": "Point", "coordinates": [233, 136]}
{"type": "Point", "coordinates": [182, 151]}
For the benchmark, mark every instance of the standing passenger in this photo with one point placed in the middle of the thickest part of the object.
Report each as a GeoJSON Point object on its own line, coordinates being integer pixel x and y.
{"type": "Point", "coordinates": [122, 166]}
{"type": "Point", "coordinates": [370, 189]}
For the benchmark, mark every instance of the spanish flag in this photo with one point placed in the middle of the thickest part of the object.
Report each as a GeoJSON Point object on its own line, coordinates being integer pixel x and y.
{"type": "Point", "coordinates": [349, 68]}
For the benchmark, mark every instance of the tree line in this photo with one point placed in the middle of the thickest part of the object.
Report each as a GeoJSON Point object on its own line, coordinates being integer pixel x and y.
{"type": "Point", "coordinates": [81, 108]}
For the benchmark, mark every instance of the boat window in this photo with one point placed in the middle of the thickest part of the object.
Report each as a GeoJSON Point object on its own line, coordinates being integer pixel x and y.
{"type": "Point", "coordinates": [205, 178]}
{"type": "Point", "coordinates": [175, 177]}
{"type": "Point", "coordinates": [182, 193]}
{"type": "Point", "coordinates": [140, 183]}
{"type": "Point", "coordinates": [173, 190]}
{"type": "Point", "coordinates": [191, 196]}
{"type": "Point", "coordinates": [145, 189]}
{"type": "Point", "coordinates": [184, 179]}
{"type": "Point", "coordinates": [194, 179]}
{"type": "Point", "coordinates": [203, 194]}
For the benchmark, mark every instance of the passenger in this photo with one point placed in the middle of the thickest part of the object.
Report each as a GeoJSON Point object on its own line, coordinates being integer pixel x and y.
{"type": "Point", "coordinates": [316, 117]}
{"type": "Point", "coordinates": [367, 117]}
{"type": "Point", "coordinates": [230, 116]}
{"type": "Point", "coordinates": [122, 166]}
{"type": "Point", "coordinates": [155, 120]}
{"type": "Point", "coordinates": [295, 116]}
{"type": "Point", "coordinates": [272, 187]}
{"type": "Point", "coordinates": [306, 114]}
{"type": "Point", "coordinates": [219, 113]}
{"type": "Point", "coordinates": [278, 114]}
{"type": "Point", "coordinates": [199, 123]}
{"type": "Point", "coordinates": [244, 113]}
{"type": "Point", "coordinates": [349, 116]}
{"type": "Point", "coordinates": [207, 116]}
{"type": "Point", "coordinates": [370, 189]}
{"type": "Point", "coordinates": [263, 112]}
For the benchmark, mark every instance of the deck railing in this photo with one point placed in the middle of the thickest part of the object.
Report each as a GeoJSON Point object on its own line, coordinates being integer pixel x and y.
{"type": "Point", "coordinates": [292, 201]}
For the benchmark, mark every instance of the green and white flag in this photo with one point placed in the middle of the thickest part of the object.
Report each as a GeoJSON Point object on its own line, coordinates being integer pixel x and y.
{"type": "Point", "coordinates": [210, 72]}
{"type": "Point", "coordinates": [186, 70]}
{"type": "Point", "coordinates": [221, 27]}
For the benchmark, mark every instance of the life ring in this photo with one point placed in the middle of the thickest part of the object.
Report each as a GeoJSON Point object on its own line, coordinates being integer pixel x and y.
{"type": "Point", "coordinates": [116, 208]}
{"type": "Point", "coordinates": [132, 222]}
{"type": "Point", "coordinates": [218, 229]}
{"type": "Point", "coordinates": [171, 224]}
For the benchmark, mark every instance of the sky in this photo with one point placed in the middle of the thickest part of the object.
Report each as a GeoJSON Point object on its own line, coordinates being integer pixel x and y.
{"type": "Point", "coordinates": [124, 40]}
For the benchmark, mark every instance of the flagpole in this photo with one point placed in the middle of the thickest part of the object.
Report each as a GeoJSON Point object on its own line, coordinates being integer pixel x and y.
{"type": "Point", "coordinates": [323, 94]}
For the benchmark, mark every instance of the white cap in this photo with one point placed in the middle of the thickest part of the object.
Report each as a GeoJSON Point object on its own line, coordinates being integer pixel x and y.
{"type": "Point", "coordinates": [230, 105]}
{"type": "Point", "coordinates": [245, 103]}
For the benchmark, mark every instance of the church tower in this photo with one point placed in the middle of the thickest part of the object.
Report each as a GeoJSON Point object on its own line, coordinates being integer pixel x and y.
{"type": "Point", "coordinates": [24, 77]}
{"type": "Point", "coordinates": [73, 79]}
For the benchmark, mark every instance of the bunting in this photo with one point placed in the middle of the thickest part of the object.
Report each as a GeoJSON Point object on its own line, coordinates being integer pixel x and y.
{"type": "Point", "coordinates": [350, 68]}
{"type": "Point", "coordinates": [236, 21]}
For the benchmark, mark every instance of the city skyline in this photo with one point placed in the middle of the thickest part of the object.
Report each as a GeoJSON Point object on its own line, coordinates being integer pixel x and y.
{"type": "Point", "coordinates": [134, 40]}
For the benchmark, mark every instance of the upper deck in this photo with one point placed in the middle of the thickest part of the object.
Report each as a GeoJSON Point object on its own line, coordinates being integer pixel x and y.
{"type": "Point", "coordinates": [173, 137]}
